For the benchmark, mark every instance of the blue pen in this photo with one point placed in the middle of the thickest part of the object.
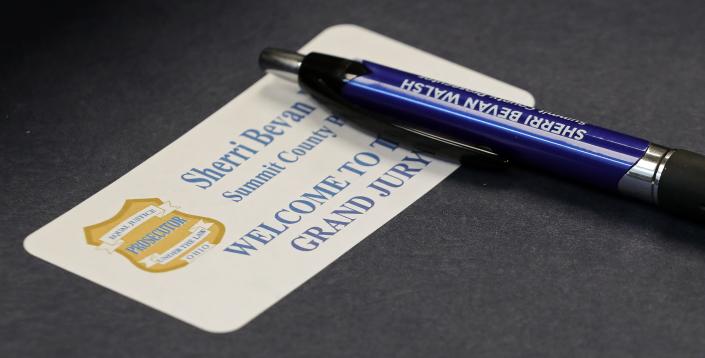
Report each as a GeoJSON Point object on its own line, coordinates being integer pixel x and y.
{"type": "Point", "coordinates": [450, 120]}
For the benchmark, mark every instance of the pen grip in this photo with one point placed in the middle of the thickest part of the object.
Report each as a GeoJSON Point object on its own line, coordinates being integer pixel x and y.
{"type": "Point", "coordinates": [682, 185]}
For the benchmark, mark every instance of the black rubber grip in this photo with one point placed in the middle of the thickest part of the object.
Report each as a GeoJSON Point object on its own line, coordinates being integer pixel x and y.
{"type": "Point", "coordinates": [682, 185]}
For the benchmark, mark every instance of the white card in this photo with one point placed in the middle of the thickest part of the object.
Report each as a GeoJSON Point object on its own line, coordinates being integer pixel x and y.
{"type": "Point", "coordinates": [255, 200]}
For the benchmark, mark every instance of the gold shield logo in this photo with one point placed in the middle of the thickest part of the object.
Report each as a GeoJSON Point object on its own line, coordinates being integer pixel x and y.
{"type": "Point", "coordinates": [155, 236]}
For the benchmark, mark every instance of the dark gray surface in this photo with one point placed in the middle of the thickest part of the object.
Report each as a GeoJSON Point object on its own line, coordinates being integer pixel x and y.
{"type": "Point", "coordinates": [486, 264]}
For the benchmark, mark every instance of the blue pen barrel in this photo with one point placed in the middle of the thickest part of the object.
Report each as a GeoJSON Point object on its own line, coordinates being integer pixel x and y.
{"type": "Point", "coordinates": [448, 119]}
{"type": "Point", "coordinates": [557, 144]}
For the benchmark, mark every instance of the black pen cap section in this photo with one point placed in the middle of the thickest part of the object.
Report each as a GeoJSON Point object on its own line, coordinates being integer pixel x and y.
{"type": "Point", "coordinates": [325, 75]}
{"type": "Point", "coordinates": [682, 185]}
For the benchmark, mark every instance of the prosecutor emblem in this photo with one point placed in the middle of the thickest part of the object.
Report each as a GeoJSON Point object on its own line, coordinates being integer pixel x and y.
{"type": "Point", "coordinates": [155, 236]}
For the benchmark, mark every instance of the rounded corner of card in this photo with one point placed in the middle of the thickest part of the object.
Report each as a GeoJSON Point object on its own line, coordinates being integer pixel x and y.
{"type": "Point", "coordinates": [333, 30]}
{"type": "Point", "coordinates": [526, 97]}
{"type": "Point", "coordinates": [29, 243]}
{"type": "Point", "coordinates": [218, 325]}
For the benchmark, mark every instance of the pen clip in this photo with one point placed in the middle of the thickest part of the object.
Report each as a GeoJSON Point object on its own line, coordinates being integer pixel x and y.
{"type": "Point", "coordinates": [437, 144]}
{"type": "Point", "coordinates": [393, 129]}
{"type": "Point", "coordinates": [465, 148]}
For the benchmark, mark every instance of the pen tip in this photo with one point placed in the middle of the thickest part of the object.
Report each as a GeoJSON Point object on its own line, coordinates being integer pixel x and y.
{"type": "Point", "coordinates": [282, 63]}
